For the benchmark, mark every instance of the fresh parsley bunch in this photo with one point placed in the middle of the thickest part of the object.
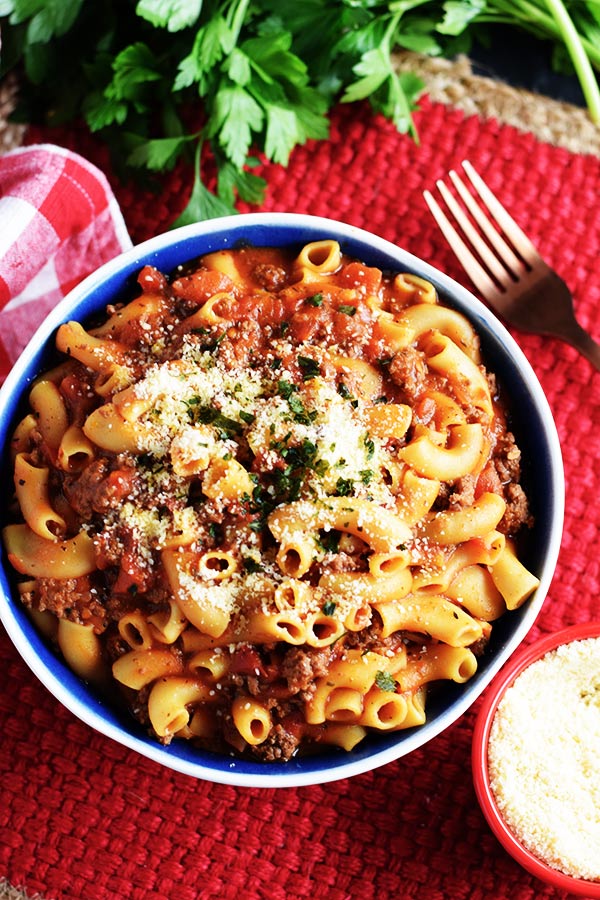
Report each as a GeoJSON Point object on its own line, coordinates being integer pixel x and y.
{"type": "Point", "coordinates": [218, 81]}
{"type": "Point", "coordinates": [266, 73]}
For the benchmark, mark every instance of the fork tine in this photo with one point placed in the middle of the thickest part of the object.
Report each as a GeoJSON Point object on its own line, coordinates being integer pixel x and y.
{"type": "Point", "coordinates": [472, 266]}
{"type": "Point", "coordinates": [491, 261]}
{"type": "Point", "coordinates": [510, 260]}
{"type": "Point", "coordinates": [518, 237]}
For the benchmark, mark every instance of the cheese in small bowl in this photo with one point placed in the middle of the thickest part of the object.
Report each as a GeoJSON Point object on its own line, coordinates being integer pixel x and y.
{"type": "Point", "coordinates": [536, 759]}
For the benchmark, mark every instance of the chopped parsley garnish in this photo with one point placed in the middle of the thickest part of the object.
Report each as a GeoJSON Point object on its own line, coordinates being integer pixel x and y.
{"type": "Point", "coordinates": [208, 415]}
{"type": "Point", "coordinates": [315, 300]}
{"type": "Point", "coordinates": [257, 525]}
{"type": "Point", "coordinates": [211, 346]}
{"type": "Point", "coordinates": [281, 445]}
{"type": "Point", "coordinates": [300, 412]}
{"type": "Point", "coordinates": [328, 608]}
{"type": "Point", "coordinates": [310, 367]}
{"type": "Point", "coordinates": [285, 389]}
{"type": "Point", "coordinates": [347, 310]}
{"type": "Point", "coordinates": [366, 475]}
{"type": "Point", "coordinates": [288, 483]}
{"type": "Point", "coordinates": [330, 541]}
{"type": "Point", "coordinates": [151, 463]}
{"type": "Point", "coordinates": [303, 454]}
{"type": "Point", "coordinates": [344, 392]}
{"type": "Point", "coordinates": [369, 446]}
{"type": "Point", "coordinates": [344, 486]}
{"type": "Point", "coordinates": [385, 682]}
{"type": "Point", "coordinates": [251, 565]}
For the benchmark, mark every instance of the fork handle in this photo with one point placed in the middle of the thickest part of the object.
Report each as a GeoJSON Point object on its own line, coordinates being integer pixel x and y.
{"type": "Point", "coordinates": [578, 337]}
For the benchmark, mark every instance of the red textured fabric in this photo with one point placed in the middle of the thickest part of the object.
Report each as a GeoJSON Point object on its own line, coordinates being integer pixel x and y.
{"type": "Point", "coordinates": [82, 817]}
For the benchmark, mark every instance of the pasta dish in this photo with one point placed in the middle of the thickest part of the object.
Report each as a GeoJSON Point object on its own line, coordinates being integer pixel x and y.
{"type": "Point", "coordinates": [274, 498]}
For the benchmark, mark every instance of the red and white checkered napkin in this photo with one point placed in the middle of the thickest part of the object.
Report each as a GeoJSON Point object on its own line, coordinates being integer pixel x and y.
{"type": "Point", "coordinates": [59, 221]}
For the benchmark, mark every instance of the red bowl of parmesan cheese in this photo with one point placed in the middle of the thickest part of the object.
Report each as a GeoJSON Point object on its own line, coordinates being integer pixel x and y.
{"type": "Point", "coordinates": [536, 759]}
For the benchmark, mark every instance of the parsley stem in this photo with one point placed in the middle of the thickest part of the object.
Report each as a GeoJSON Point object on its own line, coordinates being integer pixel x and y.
{"type": "Point", "coordinates": [237, 20]}
{"type": "Point", "coordinates": [579, 58]}
{"type": "Point", "coordinates": [550, 18]}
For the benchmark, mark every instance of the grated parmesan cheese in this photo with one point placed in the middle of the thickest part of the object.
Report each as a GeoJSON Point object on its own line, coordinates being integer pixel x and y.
{"type": "Point", "coordinates": [544, 758]}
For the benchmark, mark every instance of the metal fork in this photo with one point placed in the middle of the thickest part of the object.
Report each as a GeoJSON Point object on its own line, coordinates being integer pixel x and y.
{"type": "Point", "coordinates": [510, 273]}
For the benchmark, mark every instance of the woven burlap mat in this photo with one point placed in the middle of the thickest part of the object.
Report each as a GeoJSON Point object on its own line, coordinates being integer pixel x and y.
{"type": "Point", "coordinates": [7, 892]}
{"type": "Point", "coordinates": [453, 83]}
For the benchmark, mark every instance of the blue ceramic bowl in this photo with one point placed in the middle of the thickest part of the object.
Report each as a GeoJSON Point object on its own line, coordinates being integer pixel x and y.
{"type": "Point", "coordinates": [531, 421]}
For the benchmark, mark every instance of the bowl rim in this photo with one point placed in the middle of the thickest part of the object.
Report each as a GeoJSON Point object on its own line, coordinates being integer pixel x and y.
{"type": "Point", "coordinates": [234, 772]}
{"type": "Point", "coordinates": [479, 758]}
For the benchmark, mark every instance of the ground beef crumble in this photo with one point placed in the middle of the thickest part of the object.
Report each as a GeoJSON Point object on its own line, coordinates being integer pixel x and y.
{"type": "Point", "coordinates": [300, 667]}
{"type": "Point", "coordinates": [74, 599]}
{"type": "Point", "coordinates": [517, 510]}
{"type": "Point", "coordinates": [409, 371]}
{"type": "Point", "coordinates": [281, 744]}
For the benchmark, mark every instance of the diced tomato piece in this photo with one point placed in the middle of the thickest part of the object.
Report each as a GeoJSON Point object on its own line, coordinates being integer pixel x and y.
{"type": "Point", "coordinates": [246, 661]}
{"type": "Point", "coordinates": [132, 574]}
{"type": "Point", "coordinates": [488, 482]}
{"type": "Point", "coordinates": [120, 483]}
{"type": "Point", "coordinates": [151, 280]}
{"type": "Point", "coordinates": [201, 285]}
{"type": "Point", "coordinates": [77, 394]}
{"type": "Point", "coordinates": [355, 274]}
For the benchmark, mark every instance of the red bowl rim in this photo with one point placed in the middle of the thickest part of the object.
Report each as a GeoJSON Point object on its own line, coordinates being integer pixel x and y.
{"type": "Point", "coordinates": [479, 760]}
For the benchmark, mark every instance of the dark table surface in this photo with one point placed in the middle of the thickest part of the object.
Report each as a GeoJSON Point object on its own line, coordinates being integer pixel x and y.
{"type": "Point", "coordinates": [524, 62]}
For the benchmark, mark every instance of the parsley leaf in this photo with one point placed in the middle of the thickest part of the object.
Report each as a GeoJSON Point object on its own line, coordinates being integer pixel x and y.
{"type": "Point", "coordinates": [385, 682]}
{"type": "Point", "coordinates": [212, 41]}
{"type": "Point", "coordinates": [294, 110]}
{"type": "Point", "coordinates": [159, 154]}
{"type": "Point", "coordinates": [246, 185]}
{"type": "Point", "coordinates": [310, 367]}
{"type": "Point", "coordinates": [315, 300]}
{"type": "Point", "coordinates": [235, 116]}
{"type": "Point", "coordinates": [251, 565]}
{"type": "Point", "coordinates": [285, 388]}
{"type": "Point", "coordinates": [374, 68]}
{"type": "Point", "coordinates": [170, 14]}
{"type": "Point", "coordinates": [133, 67]}
{"type": "Point", "coordinates": [301, 414]}
{"type": "Point", "coordinates": [344, 486]}
{"type": "Point", "coordinates": [208, 415]}
{"type": "Point", "coordinates": [52, 18]}
{"type": "Point", "coordinates": [330, 540]}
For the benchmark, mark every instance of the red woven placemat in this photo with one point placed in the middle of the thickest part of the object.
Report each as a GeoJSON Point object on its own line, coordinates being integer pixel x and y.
{"type": "Point", "coordinates": [82, 817]}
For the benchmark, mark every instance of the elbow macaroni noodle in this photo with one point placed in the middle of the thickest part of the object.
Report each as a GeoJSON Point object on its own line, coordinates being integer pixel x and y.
{"type": "Point", "coordinates": [263, 499]}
